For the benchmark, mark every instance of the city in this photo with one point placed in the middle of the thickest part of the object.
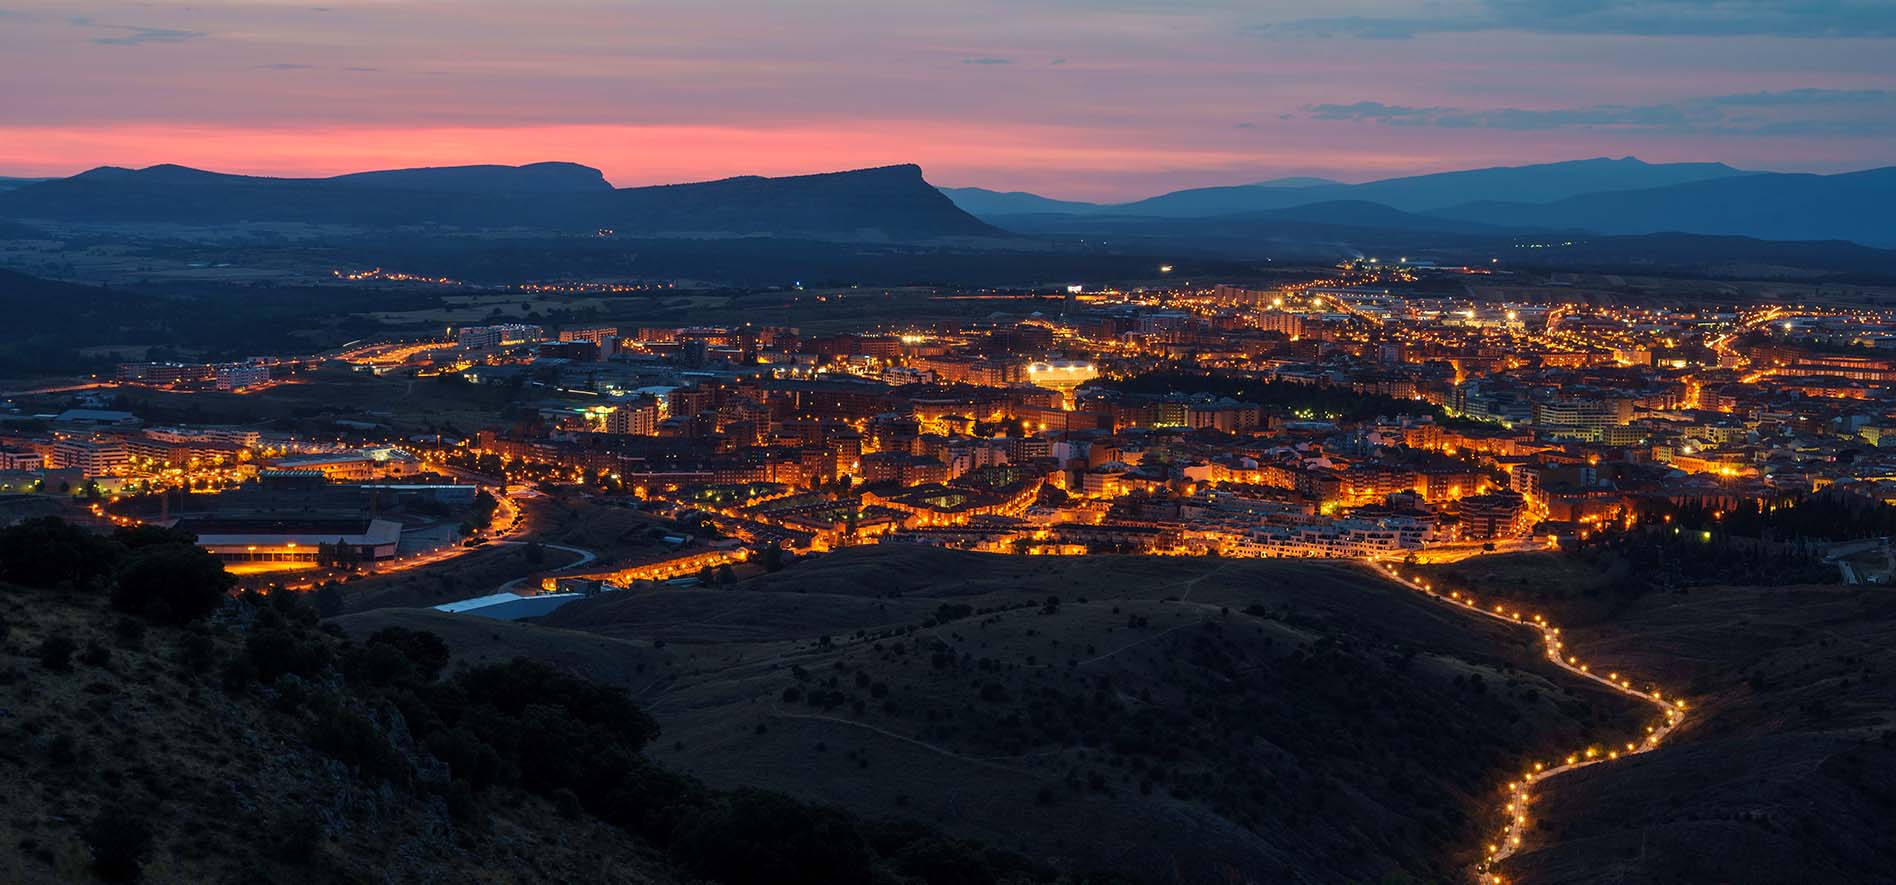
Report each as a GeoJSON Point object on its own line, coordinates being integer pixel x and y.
{"type": "Point", "coordinates": [735, 442]}
{"type": "Point", "coordinates": [1356, 416]}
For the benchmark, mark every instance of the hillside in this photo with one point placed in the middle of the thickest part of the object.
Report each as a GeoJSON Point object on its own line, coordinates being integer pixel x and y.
{"type": "Point", "coordinates": [130, 747]}
{"type": "Point", "coordinates": [1189, 720]}
{"type": "Point", "coordinates": [1786, 772]}
{"type": "Point", "coordinates": [891, 204]}
{"type": "Point", "coordinates": [41, 315]}
{"type": "Point", "coordinates": [154, 728]}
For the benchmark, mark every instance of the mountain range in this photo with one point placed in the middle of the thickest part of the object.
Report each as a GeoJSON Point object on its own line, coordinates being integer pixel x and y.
{"type": "Point", "coordinates": [1599, 196]}
{"type": "Point", "coordinates": [888, 204]}
{"type": "Point", "coordinates": [501, 221]}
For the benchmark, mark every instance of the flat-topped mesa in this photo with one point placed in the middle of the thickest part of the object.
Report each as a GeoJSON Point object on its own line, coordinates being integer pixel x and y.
{"type": "Point", "coordinates": [887, 204]}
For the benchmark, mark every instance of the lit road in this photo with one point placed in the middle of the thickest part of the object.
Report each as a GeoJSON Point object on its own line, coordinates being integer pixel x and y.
{"type": "Point", "coordinates": [586, 557]}
{"type": "Point", "coordinates": [1518, 793]}
{"type": "Point", "coordinates": [508, 521]}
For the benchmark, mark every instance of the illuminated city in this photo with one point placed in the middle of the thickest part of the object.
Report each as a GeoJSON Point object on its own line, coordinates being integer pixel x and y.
{"type": "Point", "coordinates": [752, 443]}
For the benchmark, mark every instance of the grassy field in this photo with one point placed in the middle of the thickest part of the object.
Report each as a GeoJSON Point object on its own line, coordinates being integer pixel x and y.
{"type": "Point", "coordinates": [1187, 720]}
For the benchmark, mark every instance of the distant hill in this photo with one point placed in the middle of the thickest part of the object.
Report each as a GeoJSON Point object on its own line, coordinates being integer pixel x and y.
{"type": "Point", "coordinates": [540, 178]}
{"type": "Point", "coordinates": [1540, 183]}
{"type": "Point", "coordinates": [983, 203]}
{"type": "Point", "coordinates": [7, 184]}
{"type": "Point", "coordinates": [890, 204]}
{"type": "Point", "coordinates": [1853, 206]}
{"type": "Point", "coordinates": [1586, 198]}
{"type": "Point", "coordinates": [1297, 181]}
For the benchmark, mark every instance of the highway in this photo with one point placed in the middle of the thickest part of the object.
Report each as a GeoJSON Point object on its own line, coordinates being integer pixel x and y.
{"type": "Point", "coordinates": [1518, 793]}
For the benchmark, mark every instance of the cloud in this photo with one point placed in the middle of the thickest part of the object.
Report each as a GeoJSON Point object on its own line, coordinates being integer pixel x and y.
{"type": "Point", "coordinates": [1653, 18]}
{"type": "Point", "coordinates": [134, 35]}
{"type": "Point", "coordinates": [287, 66]}
{"type": "Point", "coordinates": [1795, 112]}
{"type": "Point", "coordinates": [987, 60]}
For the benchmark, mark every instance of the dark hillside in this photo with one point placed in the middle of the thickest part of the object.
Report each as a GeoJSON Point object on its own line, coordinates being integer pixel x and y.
{"type": "Point", "coordinates": [153, 727]}
{"type": "Point", "coordinates": [1786, 772]}
{"type": "Point", "coordinates": [1192, 720]}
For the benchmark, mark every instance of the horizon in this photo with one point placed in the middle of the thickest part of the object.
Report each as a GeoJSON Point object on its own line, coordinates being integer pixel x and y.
{"type": "Point", "coordinates": [621, 185]}
{"type": "Point", "coordinates": [1203, 94]}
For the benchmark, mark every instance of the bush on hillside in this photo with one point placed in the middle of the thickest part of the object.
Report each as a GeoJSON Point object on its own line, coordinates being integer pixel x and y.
{"type": "Point", "coordinates": [171, 583]}
{"type": "Point", "coordinates": [120, 839]}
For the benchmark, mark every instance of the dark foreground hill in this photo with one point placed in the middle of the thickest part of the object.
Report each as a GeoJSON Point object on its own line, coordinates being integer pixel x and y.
{"type": "Point", "coordinates": [1786, 772]}
{"type": "Point", "coordinates": [152, 728]}
{"type": "Point", "coordinates": [889, 204]}
{"type": "Point", "coordinates": [1189, 720]}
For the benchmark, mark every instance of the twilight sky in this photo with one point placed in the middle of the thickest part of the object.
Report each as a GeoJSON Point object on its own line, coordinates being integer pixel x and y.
{"type": "Point", "coordinates": [1091, 99]}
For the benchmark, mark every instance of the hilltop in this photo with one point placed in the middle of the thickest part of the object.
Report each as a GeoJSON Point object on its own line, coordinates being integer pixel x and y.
{"type": "Point", "coordinates": [1187, 720]}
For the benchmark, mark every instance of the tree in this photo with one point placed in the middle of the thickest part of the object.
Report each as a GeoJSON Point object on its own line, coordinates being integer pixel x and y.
{"type": "Point", "coordinates": [423, 649]}
{"type": "Point", "coordinates": [171, 584]}
{"type": "Point", "coordinates": [137, 536]}
{"type": "Point", "coordinates": [773, 558]}
{"type": "Point", "coordinates": [47, 551]}
{"type": "Point", "coordinates": [328, 601]}
{"type": "Point", "coordinates": [726, 577]}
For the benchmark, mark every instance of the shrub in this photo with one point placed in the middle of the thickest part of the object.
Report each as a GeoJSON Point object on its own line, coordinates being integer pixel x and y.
{"type": "Point", "coordinates": [172, 584]}
{"type": "Point", "coordinates": [119, 838]}
{"type": "Point", "coordinates": [276, 652]}
{"type": "Point", "coordinates": [350, 738]}
{"type": "Point", "coordinates": [751, 836]}
{"type": "Point", "coordinates": [95, 655]}
{"type": "Point", "coordinates": [328, 601]}
{"type": "Point", "coordinates": [197, 652]}
{"type": "Point", "coordinates": [424, 650]}
{"type": "Point", "coordinates": [56, 653]}
{"type": "Point", "coordinates": [293, 834]}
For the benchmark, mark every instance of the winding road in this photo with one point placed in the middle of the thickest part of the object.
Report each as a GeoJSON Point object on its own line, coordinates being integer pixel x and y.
{"type": "Point", "coordinates": [1519, 791]}
{"type": "Point", "coordinates": [586, 557]}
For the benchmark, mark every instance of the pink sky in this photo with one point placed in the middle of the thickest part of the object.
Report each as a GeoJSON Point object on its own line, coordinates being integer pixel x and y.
{"type": "Point", "coordinates": [1102, 100]}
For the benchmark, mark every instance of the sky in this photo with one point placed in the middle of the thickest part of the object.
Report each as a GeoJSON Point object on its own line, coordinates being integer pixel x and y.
{"type": "Point", "coordinates": [1081, 99]}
